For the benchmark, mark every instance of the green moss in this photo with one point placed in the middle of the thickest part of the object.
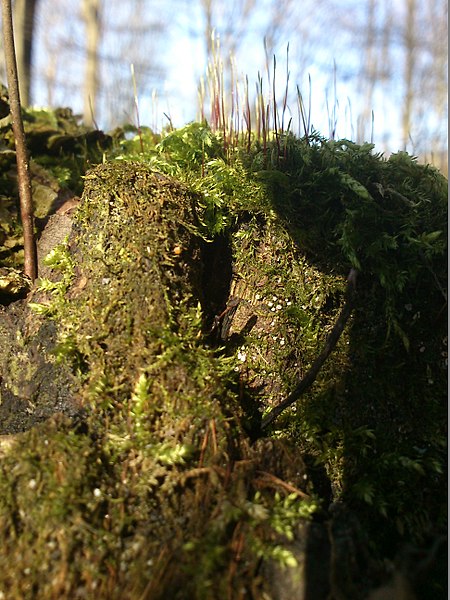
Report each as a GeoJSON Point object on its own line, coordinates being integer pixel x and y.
{"type": "Point", "coordinates": [149, 464]}
{"type": "Point", "coordinates": [156, 475]}
{"type": "Point", "coordinates": [378, 411]}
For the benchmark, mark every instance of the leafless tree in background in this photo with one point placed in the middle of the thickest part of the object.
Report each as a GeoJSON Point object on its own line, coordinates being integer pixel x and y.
{"type": "Point", "coordinates": [59, 66]}
{"type": "Point", "coordinates": [429, 129]}
{"type": "Point", "coordinates": [423, 44]}
{"type": "Point", "coordinates": [86, 51]}
{"type": "Point", "coordinates": [24, 18]}
{"type": "Point", "coordinates": [410, 43]}
{"type": "Point", "coordinates": [133, 35]}
{"type": "Point", "coordinates": [402, 67]}
{"type": "Point", "coordinates": [229, 20]}
{"type": "Point", "coordinates": [391, 57]}
{"type": "Point", "coordinates": [248, 26]}
{"type": "Point", "coordinates": [369, 69]}
{"type": "Point", "coordinates": [24, 30]}
{"type": "Point", "coordinates": [91, 15]}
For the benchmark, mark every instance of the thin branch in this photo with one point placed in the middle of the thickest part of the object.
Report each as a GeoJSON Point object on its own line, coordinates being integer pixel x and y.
{"type": "Point", "coordinates": [23, 167]}
{"type": "Point", "coordinates": [330, 344]}
{"type": "Point", "coordinates": [270, 480]}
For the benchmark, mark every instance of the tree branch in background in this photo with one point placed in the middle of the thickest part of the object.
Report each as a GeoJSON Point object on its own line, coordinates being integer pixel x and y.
{"type": "Point", "coordinates": [23, 170]}
{"type": "Point", "coordinates": [330, 344]}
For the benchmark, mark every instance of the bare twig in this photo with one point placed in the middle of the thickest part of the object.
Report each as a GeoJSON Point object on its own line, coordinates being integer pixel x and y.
{"type": "Point", "coordinates": [330, 344]}
{"type": "Point", "coordinates": [23, 168]}
{"type": "Point", "coordinates": [270, 480]}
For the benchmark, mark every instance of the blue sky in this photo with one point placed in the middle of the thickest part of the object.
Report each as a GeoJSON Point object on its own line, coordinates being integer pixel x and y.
{"type": "Point", "coordinates": [180, 51]}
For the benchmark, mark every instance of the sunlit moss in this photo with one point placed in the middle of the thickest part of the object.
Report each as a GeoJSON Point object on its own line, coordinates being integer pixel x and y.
{"type": "Point", "coordinates": [155, 486]}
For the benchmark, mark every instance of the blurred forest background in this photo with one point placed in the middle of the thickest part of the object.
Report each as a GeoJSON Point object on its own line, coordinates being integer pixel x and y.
{"type": "Point", "coordinates": [368, 70]}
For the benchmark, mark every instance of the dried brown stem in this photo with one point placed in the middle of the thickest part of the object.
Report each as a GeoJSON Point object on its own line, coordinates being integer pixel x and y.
{"type": "Point", "coordinates": [330, 344]}
{"type": "Point", "coordinates": [270, 480]}
{"type": "Point", "coordinates": [23, 168]}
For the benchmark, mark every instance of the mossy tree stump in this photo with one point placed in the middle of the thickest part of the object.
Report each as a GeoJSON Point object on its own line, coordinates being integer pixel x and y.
{"type": "Point", "coordinates": [153, 489]}
{"type": "Point", "coordinates": [148, 482]}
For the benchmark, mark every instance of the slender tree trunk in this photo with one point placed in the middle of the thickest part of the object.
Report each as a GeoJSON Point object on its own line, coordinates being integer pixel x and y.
{"type": "Point", "coordinates": [438, 16]}
{"type": "Point", "coordinates": [24, 13]}
{"type": "Point", "coordinates": [409, 69]}
{"type": "Point", "coordinates": [91, 16]}
{"type": "Point", "coordinates": [23, 172]}
{"type": "Point", "coordinates": [369, 75]}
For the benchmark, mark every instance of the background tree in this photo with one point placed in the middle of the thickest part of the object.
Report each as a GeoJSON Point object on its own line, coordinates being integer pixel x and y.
{"type": "Point", "coordinates": [374, 55]}
{"type": "Point", "coordinates": [91, 15]}
{"type": "Point", "coordinates": [430, 99]}
{"type": "Point", "coordinates": [403, 67]}
{"type": "Point", "coordinates": [410, 51]}
{"type": "Point", "coordinates": [369, 70]}
{"type": "Point", "coordinates": [133, 34]}
{"type": "Point", "coordinates": [85, 52]}
{"type": "Point", "coordinates": [24, 33]}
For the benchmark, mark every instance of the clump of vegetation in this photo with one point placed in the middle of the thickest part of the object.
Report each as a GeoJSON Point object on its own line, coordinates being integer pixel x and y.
{"type": "Point", "coordinates": [172, 474]}
{"type": "Point", "coordinates": [377, 421]}
{"type": "Point", "coordinates": [377, 411]}
{"type": "Point", "coordinates": [171, 399]}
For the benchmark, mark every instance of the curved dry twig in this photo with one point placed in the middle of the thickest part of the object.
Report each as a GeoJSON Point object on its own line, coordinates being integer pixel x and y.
{"type": "Point", "coordinates": [270, 480]}
{"type": "Point", "coordinates": [330, 344]}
